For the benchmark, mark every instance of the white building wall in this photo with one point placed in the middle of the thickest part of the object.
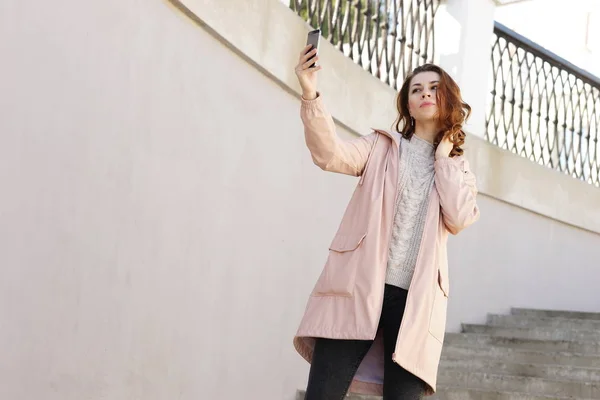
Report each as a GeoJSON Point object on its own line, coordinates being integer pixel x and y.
{"type": "Point", "coordinates": [162, 223]}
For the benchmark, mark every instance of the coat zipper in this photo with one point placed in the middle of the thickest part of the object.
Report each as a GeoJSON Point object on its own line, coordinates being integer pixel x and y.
{"type": "Point", "coordinates": [387, 257]}
{"type": "Point", "coordinates": [390, 236]}
{"type": "Point", "coordinates": [411, 281]}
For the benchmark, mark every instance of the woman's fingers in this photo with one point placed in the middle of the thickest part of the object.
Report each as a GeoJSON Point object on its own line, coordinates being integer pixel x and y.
{"type": "Point", "coordinates": [305, 49]}
{"type": "Point", "coordinates": [306, 60]}
{"type": "Point", "coordinates": [307, 64]}
{"type": "Point", "coordinates": [305, 56]}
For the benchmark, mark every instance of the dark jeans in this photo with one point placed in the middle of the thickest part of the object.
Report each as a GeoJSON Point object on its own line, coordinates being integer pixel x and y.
{"type": "Point", "coordinates": [335, 361]}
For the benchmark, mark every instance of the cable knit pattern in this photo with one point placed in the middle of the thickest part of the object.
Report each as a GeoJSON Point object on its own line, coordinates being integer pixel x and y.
{"type": "Point", "coordinates": [415, 180]}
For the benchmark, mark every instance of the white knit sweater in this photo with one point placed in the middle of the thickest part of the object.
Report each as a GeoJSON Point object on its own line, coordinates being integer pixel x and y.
{"type": "Point", "coordinates": [415, 180]}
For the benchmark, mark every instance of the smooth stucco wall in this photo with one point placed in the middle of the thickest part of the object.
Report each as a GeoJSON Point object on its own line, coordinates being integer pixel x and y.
{"type": "Point", "coordinates": [162, 222]}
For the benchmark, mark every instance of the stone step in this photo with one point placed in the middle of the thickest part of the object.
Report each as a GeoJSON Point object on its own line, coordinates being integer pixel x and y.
{"type": "Point", "coordinates": [465, 394]}
{"type": "Point", "coordinates": [478, 394]}
{"type": "Point", "coordinates": [555, 314]}
{"type": "Point", "coordinates": [521, 384]}
{"type": "Point", "coordinates": [476, 340]}
{"type": "Point", "coordinates": [546, 371]}
{"type": "Point", "coordinates": [534, 333]}
{"type": "Point", "coordinates": [300, 396]}
{"type": "Point", "coordinates": [523, 356]}
{"type": "Point", "coordinates": [526, 321]}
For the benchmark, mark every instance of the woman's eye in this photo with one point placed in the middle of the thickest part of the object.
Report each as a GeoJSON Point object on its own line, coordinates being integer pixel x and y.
{"type": "Point", "coordinates": [416, 90]}
{"type": "Point", "coordinates": [434, 88]}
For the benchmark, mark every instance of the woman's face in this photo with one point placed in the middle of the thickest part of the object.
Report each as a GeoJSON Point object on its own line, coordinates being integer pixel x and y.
{"type": "Point", "coordinates": [422, 95]}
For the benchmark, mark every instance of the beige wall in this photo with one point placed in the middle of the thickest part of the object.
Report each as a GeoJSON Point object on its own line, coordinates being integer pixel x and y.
{"type": "Point", "coordinates": [515, 258]}
{"type": "Point", "coordinates": [162, 223]}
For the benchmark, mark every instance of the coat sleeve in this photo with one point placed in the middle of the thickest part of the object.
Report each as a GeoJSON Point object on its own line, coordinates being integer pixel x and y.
{"type": "Point", "coordinates": [328, 151]}
{"type": "Point", "coordinates": [457, 188]}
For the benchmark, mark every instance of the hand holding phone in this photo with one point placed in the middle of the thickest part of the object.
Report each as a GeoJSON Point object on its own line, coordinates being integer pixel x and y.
{"type": "Point", "coordinates": [307, 67]}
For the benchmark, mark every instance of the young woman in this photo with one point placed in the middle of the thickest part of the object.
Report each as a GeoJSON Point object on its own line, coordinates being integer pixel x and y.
{"type": "Point", "coordinates": [375, 320]}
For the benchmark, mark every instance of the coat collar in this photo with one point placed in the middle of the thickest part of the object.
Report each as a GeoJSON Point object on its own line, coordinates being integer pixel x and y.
{"type": "Point", "coordinates": [395, 136]}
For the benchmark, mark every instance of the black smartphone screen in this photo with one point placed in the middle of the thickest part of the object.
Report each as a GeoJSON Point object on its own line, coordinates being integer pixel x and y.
{"type": "Point", "coordinates": [313, 39]}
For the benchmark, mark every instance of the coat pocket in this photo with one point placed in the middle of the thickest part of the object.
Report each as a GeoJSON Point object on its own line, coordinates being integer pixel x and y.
{"type": "Point", "coordinates": [339, 274]}
{"type": "Point", "coordinates": [437, 321]}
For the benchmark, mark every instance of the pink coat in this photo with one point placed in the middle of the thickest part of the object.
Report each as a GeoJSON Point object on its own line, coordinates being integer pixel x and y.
{"type": "Point", "coordinates": [347, 299]}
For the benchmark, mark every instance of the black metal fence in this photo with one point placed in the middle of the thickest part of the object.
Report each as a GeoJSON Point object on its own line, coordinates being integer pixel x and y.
{"type": "Point", "coordinates": [543, 108]}
{"type": "Point", "coordinates": [389, 38]}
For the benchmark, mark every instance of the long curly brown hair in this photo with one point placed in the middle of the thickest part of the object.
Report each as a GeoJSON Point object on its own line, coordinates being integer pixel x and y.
{"type": "Point", "coordinates": [452, 110]}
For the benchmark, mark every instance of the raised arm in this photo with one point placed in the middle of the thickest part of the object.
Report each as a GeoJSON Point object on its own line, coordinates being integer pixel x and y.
{"type": "Point", "coordinates": [328, 151]}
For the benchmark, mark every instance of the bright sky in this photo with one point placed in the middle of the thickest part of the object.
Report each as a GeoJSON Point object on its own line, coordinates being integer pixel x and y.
{"type": "Point", "coordinates": [569, 28]}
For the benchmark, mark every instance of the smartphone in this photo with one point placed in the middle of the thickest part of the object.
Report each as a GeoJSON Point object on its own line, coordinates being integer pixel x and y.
{"type": "Point", "coordinates": [313, 39]}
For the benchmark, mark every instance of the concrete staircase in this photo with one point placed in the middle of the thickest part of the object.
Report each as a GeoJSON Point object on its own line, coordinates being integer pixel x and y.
{"type": "Point", "coordinates": [527, 355]}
